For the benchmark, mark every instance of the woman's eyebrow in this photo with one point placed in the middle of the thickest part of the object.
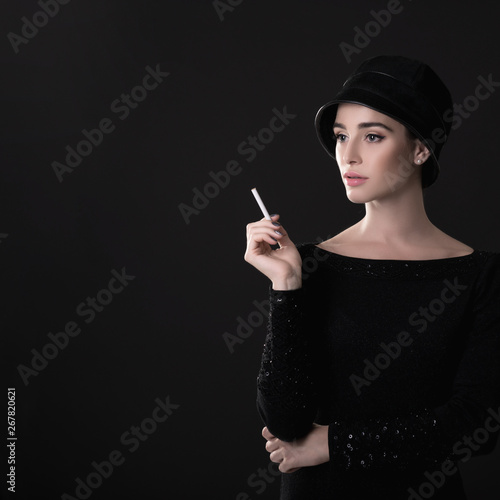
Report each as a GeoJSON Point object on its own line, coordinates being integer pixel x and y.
{"type": "Point", "coordinates": [364, 125]}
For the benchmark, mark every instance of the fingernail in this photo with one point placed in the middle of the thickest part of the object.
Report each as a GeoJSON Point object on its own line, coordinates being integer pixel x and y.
{"type": "Point", "coordinates": [277, 232]}
{"type": "Point", "coordinates": [272, 215]}
{"type": "Point", "coordinates": [277, 224]}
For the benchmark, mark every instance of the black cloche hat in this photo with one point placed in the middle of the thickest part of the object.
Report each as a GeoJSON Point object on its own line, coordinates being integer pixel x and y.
{"type": "Point", "coordinates": [404, 89]}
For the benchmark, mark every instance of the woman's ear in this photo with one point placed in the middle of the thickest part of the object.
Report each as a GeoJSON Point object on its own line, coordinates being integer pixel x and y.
{"type": "Point", "coordinates": [420, 152]}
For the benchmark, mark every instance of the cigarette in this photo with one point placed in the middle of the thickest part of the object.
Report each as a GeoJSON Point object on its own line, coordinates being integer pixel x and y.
{"type": "Point", "coordinates": [261, 204]}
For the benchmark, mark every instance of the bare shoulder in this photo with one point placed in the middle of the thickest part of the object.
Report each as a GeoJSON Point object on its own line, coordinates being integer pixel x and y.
{"type": "Point", "coordinates": [449, 246]}
{"type": "Point", "coordinates": [441, 246]}
{"type": "Point", "coordinates": [338, 239]}
{"type": "Point", "coordinates": [343, 243]}
{"type": "Point", "coordinates": [453, 247]}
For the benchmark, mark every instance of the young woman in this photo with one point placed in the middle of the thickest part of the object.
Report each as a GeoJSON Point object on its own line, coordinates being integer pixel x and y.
{"type": "Point", "coordinates": [380, 370]}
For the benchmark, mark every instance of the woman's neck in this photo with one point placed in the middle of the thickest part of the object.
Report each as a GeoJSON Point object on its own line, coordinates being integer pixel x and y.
{"type": "Point", "coordinates": [399, 219]}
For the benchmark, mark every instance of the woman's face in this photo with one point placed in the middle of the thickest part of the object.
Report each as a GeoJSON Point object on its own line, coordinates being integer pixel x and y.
{"type": "Point", "coordinates": [377, 147]}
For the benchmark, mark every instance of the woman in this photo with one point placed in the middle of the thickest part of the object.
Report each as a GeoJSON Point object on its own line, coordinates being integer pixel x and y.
{"type": "Point", "coordinates": [380, 370]}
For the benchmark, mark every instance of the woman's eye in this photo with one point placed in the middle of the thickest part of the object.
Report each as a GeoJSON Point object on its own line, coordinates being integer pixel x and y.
{"type": "Point", "coordinates": [374, 137]}
{"type": "Point", "coordinates": [340, 137]}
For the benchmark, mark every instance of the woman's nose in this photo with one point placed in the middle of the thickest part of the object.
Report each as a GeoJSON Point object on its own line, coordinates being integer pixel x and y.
{"type": "Point", "coordinates": [351, 153]}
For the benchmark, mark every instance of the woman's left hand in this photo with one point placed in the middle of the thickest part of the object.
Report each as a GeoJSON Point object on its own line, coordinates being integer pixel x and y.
{"type": "Point", "coordinates": [312, 449]}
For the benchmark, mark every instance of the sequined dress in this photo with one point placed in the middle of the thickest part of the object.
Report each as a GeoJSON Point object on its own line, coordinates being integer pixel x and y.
{"type": "Point", "coordinates": [400, 358]}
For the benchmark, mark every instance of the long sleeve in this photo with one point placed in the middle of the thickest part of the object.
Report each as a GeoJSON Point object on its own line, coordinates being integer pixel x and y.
{"type": "Point", "coordinates": [287, 381]}
{"type": "Point", "coordinates": [456, 429]}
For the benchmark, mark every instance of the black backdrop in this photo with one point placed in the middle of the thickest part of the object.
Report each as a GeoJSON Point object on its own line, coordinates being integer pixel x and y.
{"type": "Point", "coordinates": [170, 341]}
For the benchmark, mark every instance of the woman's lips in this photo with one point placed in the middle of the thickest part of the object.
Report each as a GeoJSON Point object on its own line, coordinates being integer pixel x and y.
{"type": "Point", "coordinates": [355, 181]}
{"type": "Point", "coordinates": [354, 178]}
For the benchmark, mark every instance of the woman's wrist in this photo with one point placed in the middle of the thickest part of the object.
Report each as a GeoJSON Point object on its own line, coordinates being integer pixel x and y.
{"type": "Point", "coordinates": [289, 283]}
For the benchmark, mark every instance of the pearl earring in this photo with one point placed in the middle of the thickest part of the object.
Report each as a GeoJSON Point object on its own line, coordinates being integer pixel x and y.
{"type": "Point", "coordinates": [419, 161]}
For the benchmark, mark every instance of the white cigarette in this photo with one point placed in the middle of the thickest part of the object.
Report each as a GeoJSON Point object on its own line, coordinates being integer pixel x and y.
{"type": "Point", "coordinates": [261, 204]}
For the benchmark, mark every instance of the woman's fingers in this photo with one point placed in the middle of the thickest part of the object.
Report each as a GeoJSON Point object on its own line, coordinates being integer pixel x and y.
{"type": "Point", "coordinates": [278, 452]}
{"type": "Point", "coordinates": [276, 264]}
{"type": "Point", "coordinates": [272, 441]}
{"type": "Point", "coordinates": [276, 456]}
{"type": "Point", "coordinates": [264, 225]}
{"type": "Point", "coordinates": [268, 236]}
{"type": "Point", "coordinates": [257, 234]}
{"type": "Point", "coordinates": [267, 434]}
{"type": "Point", "coordinates": [272, 445]}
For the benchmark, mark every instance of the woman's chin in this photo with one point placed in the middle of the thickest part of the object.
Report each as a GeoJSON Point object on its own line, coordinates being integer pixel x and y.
{"type": "Point", "coordinates": [357, 196]}
{"type": "Point", "coordinates": [361, 194]}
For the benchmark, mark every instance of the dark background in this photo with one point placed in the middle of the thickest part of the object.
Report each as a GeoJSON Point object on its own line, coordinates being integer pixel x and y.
{"type": "Point", "coordinates": [163, 334]}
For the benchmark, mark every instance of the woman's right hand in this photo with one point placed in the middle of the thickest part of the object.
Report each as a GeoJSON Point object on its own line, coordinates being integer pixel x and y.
{"type": "Point", "coordinates": [282, 266]}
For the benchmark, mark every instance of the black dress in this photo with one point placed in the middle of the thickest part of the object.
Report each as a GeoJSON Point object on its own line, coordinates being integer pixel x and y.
{"type": "Point", "coordinates": [401, 358]}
